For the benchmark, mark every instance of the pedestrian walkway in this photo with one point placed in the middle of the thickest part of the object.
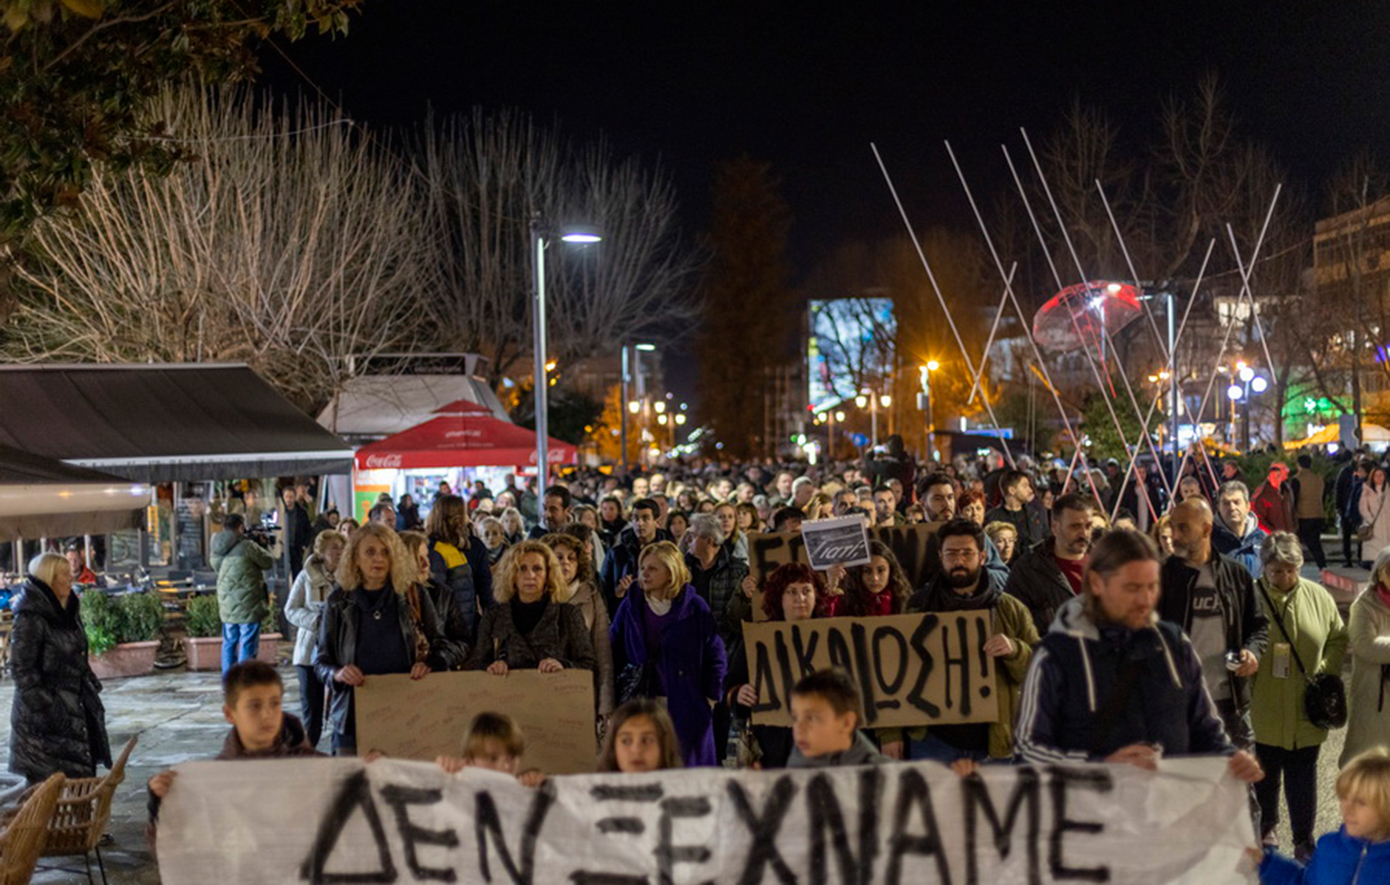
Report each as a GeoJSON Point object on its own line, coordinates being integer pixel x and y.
{"type": "Point", "coordinates": [178, 717]}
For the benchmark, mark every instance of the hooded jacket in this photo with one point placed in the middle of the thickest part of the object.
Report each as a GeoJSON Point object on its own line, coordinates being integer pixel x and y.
{"type": "Point", "coordinates": [1244, 616]}
{"type": "Point", "coordinates": [1339, 860]}
{"type": "Point", "coordinates": [57, 721]}
{"type": "Point", "coordinates": [1072, 709]}
{"type": "Point", "coordinates": [240, 564]}
{"type": "Point", "coordinates": [467, 574]}
{"type": "Point", "coordinates": [861, 752]}
{"type": "Point", "coordinates": [1037, 581]}
{"type": "Point", "coordinates": [1243, 548]}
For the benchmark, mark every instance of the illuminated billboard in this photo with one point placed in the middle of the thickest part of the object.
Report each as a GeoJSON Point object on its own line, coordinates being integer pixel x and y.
{"type": "Point", "coordinates": [849, 347]}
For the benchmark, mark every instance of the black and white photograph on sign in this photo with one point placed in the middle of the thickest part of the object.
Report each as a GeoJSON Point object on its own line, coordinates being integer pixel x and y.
{"type": "Point", "coordinates": [840, 541]}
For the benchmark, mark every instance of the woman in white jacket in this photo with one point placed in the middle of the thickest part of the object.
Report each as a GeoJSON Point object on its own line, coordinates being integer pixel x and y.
{"type": "Point", "coordinates": [311, 588]}
{"type": "Point", "coordinates": [1368, 633]}
{"type": "Point", "coordinates": [1375, 512]}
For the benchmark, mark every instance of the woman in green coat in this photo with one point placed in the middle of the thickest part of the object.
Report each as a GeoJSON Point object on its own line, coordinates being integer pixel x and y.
{"type": "Point", "coordinates": [1304, 626]}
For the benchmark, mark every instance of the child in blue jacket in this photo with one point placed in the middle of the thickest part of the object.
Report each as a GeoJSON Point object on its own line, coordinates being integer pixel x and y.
{"type": "Point", "coordinates": [1359, 852]}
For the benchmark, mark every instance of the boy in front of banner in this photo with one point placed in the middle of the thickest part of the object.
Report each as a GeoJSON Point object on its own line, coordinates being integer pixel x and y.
{"type": "Point", "coordinates": [1359, 852]}
{"type": "Point", "coordinates": [252, 694]}
{"type": "Point", "coordinates": [825, 723]}
{"type": "Point", "coordinates": [493, 741]}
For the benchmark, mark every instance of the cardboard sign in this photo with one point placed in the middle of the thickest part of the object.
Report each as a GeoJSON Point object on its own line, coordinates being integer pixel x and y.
{"type": "Point", "coordinates": [426, 718]}
{"type": "Point", "coordinates": [338, 820]}
{"type": "Point", "coordinates": [843, 541]}
{"type": "Point", "coordinates": [911, 544]}
{"type": "Point", "coordinates": [921, 669]}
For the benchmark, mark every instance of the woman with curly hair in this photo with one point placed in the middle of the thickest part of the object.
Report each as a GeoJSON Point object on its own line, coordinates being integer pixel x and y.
{"type": "Point", "coordinates": [793, 592]}
{"type": "Point", "coordinates": [530, 627]}
{"type": "Point", "coordinates": [378, 621]}
{"type": "Point", "coordinates": [581, 591]}
{"type": "Point", "coordinates": [879, 587]}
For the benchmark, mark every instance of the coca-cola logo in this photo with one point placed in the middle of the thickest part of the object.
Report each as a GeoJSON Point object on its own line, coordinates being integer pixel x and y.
{"type": "Point", "coordinates": [382, 462]}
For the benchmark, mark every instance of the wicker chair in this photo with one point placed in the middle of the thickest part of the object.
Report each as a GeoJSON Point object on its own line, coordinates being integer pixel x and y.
{"type": "Point", "coordinates": [84, 810]}
{"type": "Point", "coordinates": [23, 840]}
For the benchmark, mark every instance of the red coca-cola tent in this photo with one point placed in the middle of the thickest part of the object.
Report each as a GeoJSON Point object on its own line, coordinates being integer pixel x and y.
{"type": "Point", "coordinates": [464, 435]}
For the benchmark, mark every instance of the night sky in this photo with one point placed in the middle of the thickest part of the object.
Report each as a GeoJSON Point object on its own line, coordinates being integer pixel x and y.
{"type": "Point", "coordinates": [691, 84]}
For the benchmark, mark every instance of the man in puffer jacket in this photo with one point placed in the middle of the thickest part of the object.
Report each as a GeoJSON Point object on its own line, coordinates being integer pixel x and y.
{"type": "Point", "coordinates": [242, 597]}
{"type": "Point", "coordinates": [1111, 683]}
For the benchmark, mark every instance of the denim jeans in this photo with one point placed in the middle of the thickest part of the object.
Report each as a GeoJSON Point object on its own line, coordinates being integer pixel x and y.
{"type": "Point", "coordinates": [935, 749]}
{"type": "Point", "coordinates": [240, 642]}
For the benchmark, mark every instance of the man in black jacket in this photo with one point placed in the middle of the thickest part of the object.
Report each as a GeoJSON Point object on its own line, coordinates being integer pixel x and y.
{"type": "Point", "coordinates": [1045, 577]}
{"type": "Point", "coordinates": [1212, 598]}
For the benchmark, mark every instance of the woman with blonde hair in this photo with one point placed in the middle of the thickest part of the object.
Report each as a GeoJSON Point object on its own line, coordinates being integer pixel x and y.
{"type": "Point", "coordinates": [377, 622]}
{"type": "Point", "coordinates": [581, 591]}
{"type": "Point", "coordinates": [531, 627]}
{"type": "Point", "coordinates": [666, 644]}
{"type": "Point", "coordinates": [819, 507]}
{"type": "Point", "coordinates": [513, 524]}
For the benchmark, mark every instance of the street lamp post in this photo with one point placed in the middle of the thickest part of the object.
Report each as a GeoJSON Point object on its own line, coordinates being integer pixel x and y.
{"type": "Point", "coordinates": [541, 396]}
{"type": "Point", "coordinates": [926, 370]}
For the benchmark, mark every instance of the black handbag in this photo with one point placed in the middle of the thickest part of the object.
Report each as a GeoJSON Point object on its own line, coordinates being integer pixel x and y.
{"type": "Point", "coordinates": [637, 681]}
{"type": "Point", "coordinates": [1325, 697]}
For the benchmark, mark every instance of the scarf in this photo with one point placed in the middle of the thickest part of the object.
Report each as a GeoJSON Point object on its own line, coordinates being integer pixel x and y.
{"type": "Point", "coordinates": [1384, 593]}
{"type": "Point", "coordinates": [941, 597]}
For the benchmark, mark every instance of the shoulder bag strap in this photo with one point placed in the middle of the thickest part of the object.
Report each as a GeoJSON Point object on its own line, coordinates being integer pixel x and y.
{"type": "Point", "coordinates": [1282, 629]}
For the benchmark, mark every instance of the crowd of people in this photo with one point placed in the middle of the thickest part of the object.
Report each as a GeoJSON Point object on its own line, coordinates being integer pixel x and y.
{"type": "Point", "coordinates": [1128, 624]}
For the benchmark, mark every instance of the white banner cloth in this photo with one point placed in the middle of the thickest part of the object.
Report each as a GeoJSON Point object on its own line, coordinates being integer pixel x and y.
{"type": "Point", "coordinates": [391, 821]}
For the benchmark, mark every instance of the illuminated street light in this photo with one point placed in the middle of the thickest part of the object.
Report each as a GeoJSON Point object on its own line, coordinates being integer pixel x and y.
{"type": "Point", "coordinates": [1247, 374]}
{"type": "Point", "coordinates": [885, 400]}
{"type": "Point", "coordinates": [661, 419]}
{"type": "Point", "coordinates": [1259, 384]}
{"type": "Point", "coordinates": [634, 407]}
{"type": "Point", "coordinates": [680, 419]}
{"type": "Point", "coordinates": [659, 406]}
{"type": "Point", "coordinates": [933, 365]}
{"type": "Point", "coordinates": [1235, 392]}
{"type": "Point", "coordinates": [840, 416]}
{"type": "Point", "coordinates": [861, 400]}
{"type": "Point", "coordinates": [539, 233]}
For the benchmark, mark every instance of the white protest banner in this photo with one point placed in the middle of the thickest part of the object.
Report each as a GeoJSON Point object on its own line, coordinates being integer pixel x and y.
{"type": "Point", "coordinates": [338, 820]}
{"type": "Point", "coordinates": [843, 541]}
{"type": "Point", "coordinates": [919, 669]}
{"type": "Point", "coordinates": [426, 718]}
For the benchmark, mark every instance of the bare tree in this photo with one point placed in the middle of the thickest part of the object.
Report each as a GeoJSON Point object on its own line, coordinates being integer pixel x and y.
{"type": "Point", "coordinates": [486, 179]}
{"type": "Point", "coordinates": [286, 245]}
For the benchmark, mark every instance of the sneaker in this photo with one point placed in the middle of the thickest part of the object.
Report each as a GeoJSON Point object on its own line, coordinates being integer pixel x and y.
{"type": "Point", "coordinates": [1270, 840]}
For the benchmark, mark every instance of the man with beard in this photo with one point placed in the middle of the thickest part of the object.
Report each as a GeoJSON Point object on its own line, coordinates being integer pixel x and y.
{"type": "Point", "coordinates": [964, 584]}
{"type": "Point", "coordinates": [1212, 598]}
{"type": "Point", "coordinates": [1047, 576]}
{"type": "Point", "coordinates": [937, 494]}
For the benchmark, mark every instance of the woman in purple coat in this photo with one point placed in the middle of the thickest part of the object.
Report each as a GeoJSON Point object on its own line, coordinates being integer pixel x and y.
{"type": "Point", "coordinates": [666, 645]}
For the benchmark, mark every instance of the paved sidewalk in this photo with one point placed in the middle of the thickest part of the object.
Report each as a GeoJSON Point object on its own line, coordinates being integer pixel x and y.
{"type": "Point", "coordinates": [177, 716]}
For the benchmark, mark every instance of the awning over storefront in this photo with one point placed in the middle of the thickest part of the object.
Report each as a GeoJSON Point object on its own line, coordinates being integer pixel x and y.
{"type": "Point", "coordinates": [40, 498]}
{"type": "Point", "coordinates": [465, 436]}
{"type": "Point", "coordinates": [163, 422]}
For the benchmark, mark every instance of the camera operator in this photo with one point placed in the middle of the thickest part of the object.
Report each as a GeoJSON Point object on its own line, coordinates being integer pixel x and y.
{"type": "Point", "coordinates": [242, 597]}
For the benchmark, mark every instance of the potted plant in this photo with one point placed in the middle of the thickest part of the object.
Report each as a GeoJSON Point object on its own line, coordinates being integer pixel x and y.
{"type": "Point", "coordinates": [204, 642]}
{"type": "Point", "coordinates": [122, 632]}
